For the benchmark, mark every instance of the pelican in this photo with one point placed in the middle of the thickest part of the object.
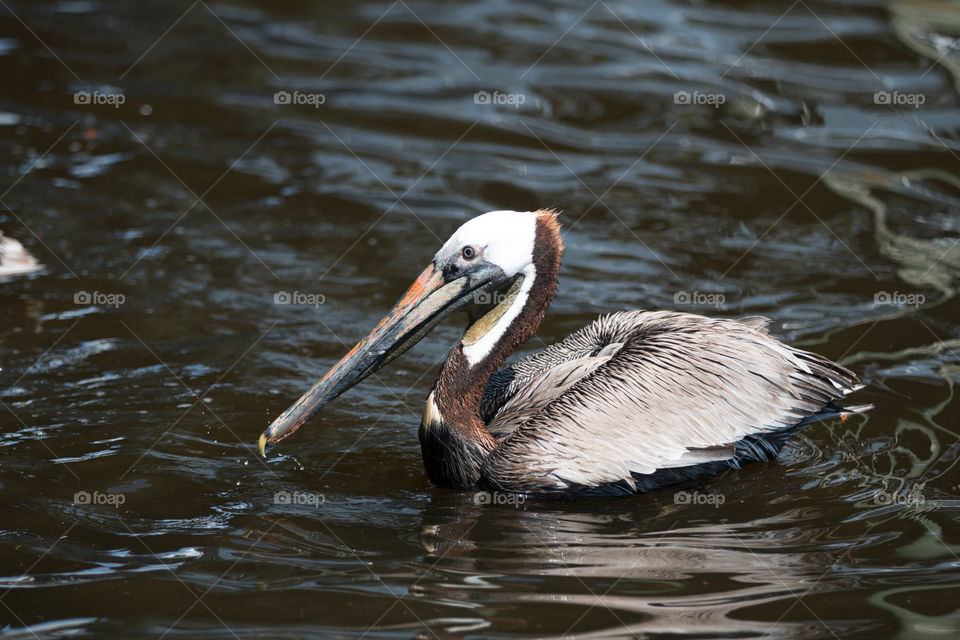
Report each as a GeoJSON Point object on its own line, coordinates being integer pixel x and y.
{"type": "Point", "coordinates": [14, 259]}
{"type": "Point", "coordinates": [634, 401]}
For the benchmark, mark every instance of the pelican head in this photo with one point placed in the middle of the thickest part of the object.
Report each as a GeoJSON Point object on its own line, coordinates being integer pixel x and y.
{"type": "Point", "coordinates": [486, 269]}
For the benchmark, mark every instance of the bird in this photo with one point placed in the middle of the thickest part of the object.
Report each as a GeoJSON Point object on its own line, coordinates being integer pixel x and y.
{"type": "Point", "coordinates": [635, 401]}
{"type": "Point", "coordinates": [14, 259]}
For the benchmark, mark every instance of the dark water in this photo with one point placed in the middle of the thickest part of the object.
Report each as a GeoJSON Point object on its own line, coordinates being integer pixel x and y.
{"type": "Point", "coordinates": [139, 368]}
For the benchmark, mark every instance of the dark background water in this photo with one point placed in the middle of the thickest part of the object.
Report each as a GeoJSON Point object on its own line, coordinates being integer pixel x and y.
{"type": "Point", "coordinates": [139, 368]}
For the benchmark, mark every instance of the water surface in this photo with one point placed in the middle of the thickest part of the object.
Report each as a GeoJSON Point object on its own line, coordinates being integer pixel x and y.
{"type": "Point", "coordinates": [794, 161]}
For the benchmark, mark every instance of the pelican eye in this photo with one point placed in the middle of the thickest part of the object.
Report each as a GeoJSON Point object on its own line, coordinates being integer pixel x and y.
{"type": "Point", "coordinates": [469, 252]}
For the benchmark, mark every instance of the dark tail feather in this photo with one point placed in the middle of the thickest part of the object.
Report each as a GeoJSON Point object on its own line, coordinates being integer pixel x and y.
{"type": "Point", "coordinates": [766, 446]}
{"type": "Point", "coordinates": [833, 410]}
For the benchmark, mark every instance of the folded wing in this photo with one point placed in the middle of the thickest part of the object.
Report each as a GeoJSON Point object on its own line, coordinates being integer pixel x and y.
{"type": "Point", "coordinates": [681, 389]}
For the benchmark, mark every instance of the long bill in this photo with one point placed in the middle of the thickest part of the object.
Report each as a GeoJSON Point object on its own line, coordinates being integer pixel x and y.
{"type": "Point", "coordinates": [428, 301]}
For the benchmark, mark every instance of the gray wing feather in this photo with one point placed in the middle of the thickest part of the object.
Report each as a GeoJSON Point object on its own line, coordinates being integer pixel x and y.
{"type": "Point", "coordinates": [682, 388]}
{"type": "Point", "coordinates": [599, 338]}
{"type": "Point", "coordinates": [540, 390]}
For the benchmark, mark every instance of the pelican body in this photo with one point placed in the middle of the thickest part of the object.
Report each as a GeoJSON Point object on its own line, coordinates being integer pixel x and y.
{"type": "Point", "coordinates": [632, 402]}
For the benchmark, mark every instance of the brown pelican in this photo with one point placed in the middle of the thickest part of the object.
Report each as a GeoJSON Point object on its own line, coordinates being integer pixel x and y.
{"type": "Point", "coordinates": [634, 401]}
{"type": "Point", "coordinates": [14, 259]}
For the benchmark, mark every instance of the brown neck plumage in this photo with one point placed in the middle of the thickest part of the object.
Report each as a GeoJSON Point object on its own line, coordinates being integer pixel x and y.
{"type": "Point", "coordinates": [459, 388]}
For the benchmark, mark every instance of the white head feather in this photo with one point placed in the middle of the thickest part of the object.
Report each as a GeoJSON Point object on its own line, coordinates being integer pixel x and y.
{"type": "Point", "coordinates": [506, 238]}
